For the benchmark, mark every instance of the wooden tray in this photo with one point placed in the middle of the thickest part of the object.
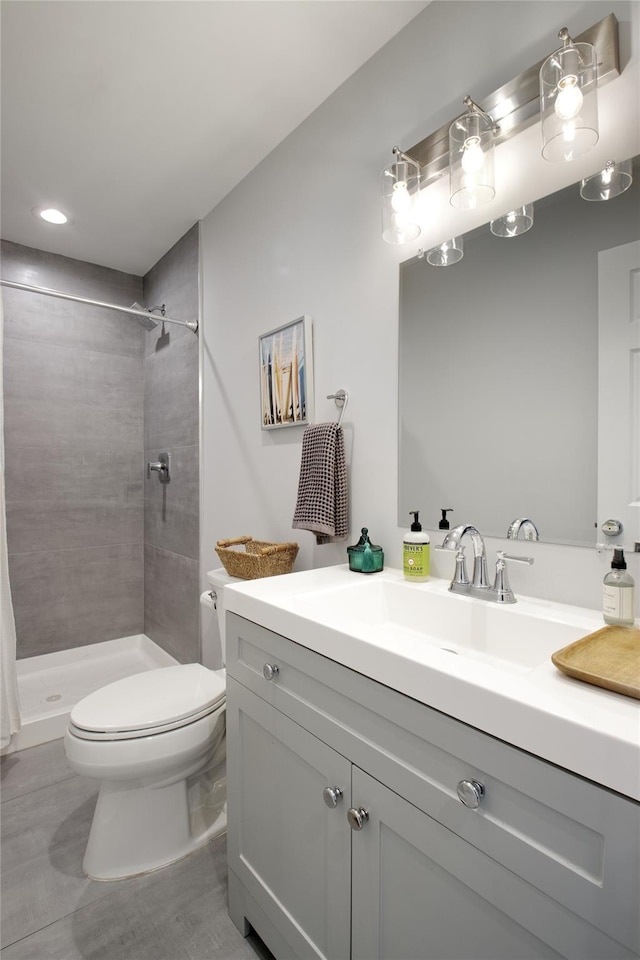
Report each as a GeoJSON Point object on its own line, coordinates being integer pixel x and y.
{"type": "Point", "coordinates": [608, 658]}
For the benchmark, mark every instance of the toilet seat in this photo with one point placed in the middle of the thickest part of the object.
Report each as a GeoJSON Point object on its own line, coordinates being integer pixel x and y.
{"type": "Point", "coordinates": [149, 703]}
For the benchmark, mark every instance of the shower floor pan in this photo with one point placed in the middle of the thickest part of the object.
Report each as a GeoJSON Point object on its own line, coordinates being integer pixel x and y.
{"type": "Point", "coordinates": [50, 685]}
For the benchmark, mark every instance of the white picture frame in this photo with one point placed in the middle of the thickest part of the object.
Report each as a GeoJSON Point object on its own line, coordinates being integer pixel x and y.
{"type": "Point", "coordinates": [286, 375]}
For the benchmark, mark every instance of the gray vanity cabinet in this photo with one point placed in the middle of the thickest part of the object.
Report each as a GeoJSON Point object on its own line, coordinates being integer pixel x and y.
{"type": "Point", "coordinates": [420, 891]}
{"type": "Point", "coordinates": [545, 866]}
{"type": "Point", "coordinates": [288, 848]}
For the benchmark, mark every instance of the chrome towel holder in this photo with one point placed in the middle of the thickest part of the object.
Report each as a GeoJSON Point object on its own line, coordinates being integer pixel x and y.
{"type": "Point", "coordinates": [341, 398]}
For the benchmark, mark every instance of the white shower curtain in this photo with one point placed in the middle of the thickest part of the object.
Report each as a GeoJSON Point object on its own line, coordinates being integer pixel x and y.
{"type": "Point", "coordinates": [9, 701]}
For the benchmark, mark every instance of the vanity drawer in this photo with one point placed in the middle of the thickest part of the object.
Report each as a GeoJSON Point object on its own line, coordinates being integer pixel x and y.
{"type": "Point", "coordinates": [564, 835]}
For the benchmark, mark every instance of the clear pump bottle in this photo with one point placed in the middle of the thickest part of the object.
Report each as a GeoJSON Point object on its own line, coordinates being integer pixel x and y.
{"type": "Point", "coordinates": [618, 592]}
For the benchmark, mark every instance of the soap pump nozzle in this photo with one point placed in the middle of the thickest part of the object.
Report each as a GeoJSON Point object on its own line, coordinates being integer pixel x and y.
{"type": "Point", "coordinates": [444, 523]}
{"type": "Point", "coordinates": [416, 525]}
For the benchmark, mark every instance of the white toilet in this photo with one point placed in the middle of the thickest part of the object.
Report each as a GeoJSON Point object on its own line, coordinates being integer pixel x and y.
{"type": "Point", "coordinates": [157, 742]}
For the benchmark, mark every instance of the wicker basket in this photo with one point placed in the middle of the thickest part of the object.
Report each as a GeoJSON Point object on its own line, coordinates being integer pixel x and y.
{"type": "Point", "coordinates": [259, 559]}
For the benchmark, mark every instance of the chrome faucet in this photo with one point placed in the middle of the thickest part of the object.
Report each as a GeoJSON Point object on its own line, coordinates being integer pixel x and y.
{"type": "Point", "coordinates": [525, 526]}
{"type": "Point", "coordinates": [479, 580]}
{"type": "Point", "coordinates": [479, 586]}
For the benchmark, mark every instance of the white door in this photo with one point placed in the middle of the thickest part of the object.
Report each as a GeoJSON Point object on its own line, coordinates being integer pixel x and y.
{"type": "Point", "coordinates": [619, 390]}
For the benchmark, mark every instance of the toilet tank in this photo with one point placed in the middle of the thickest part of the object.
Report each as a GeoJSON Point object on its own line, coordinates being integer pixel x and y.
{"type": "Point", "coordinates": [212, 610]}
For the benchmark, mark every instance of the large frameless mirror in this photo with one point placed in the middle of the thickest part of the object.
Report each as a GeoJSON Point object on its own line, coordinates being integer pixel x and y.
{"type": "Point", "coordinates": [519, 379]}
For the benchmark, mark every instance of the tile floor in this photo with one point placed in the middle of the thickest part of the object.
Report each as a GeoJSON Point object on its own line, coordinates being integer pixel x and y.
{"type": "Point", "coordinates": [51, 911]}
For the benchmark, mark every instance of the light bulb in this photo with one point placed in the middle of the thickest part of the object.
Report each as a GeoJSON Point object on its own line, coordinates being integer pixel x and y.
{"type": "Point", "coordinates": [569, 99]}
{"type": "Point", "coordinates": [53, 216]}
{"type": "Point", "coordinates": [400, 198]}
{"type": "Point", "coordinates": [472, 155]}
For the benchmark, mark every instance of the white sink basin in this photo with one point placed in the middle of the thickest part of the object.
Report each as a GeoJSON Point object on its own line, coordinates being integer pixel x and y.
{"type": "Point", "coordinates": [519, 636]}
{"type": "Point", "coordinates": [484, 664]}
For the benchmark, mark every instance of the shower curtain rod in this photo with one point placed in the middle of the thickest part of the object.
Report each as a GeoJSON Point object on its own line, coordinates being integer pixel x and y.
{"type": "Point", "coordinates": [190, 324]}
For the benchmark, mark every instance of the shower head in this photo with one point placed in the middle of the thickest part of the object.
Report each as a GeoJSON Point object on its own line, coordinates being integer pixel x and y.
{"type": "Point", "coordinates": [147, 322]}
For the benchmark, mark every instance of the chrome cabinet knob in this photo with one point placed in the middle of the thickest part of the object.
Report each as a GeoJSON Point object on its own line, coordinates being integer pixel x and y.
{"type": "Point", "coordinates": [332, 796]}
{"type": "Point", "coordinates": [357, 817]}
{"type": "Point", "coordinates": [270, 671]}
{"type": "Point", "coordinates": [471, 793]}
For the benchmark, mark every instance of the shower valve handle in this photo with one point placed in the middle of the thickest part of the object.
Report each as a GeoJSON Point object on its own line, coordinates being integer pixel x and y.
{"type": "Point", "coordinates": [160, 466]}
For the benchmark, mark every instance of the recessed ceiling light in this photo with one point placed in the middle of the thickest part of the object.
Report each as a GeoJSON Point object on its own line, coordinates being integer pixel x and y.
{"type": "Point", "coordinates": [51, 215]}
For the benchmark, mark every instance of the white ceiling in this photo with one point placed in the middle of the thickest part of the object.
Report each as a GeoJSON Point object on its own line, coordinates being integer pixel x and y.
{"type": "Point", "coordinates": [136, 117]}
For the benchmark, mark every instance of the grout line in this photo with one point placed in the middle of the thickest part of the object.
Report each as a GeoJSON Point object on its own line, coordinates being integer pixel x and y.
{"type": "Point", "coordinates": [45, 786]}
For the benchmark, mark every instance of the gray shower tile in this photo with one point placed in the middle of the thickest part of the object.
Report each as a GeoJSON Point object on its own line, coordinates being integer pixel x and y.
{"type": "Point", "coordinates": [172, 603]}
{"type": "Point", "coordinates": [24, 771]}
{"type": "Point", "coordinates": [56, 394]}
{"type": "Point", "coordinates": [68, 598]}
{"type": "Point", "coordinates": [37, 525]}
{"type": "Point", "coordinates": [171, 395]}
{"type": "Point", "coordinates": [79, 468]}
{"type": "Point", "coordinates": [42, 269]}
{"type": "Point", "coordinates": [171, 510]}
{"type": "Point", "coordinates": [33, 317]}
{"type": "Point", "coordinates": [173, 281]}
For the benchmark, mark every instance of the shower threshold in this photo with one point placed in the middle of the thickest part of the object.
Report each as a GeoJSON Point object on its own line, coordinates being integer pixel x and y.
{"type": "Point", "coordinates": [50, 685]}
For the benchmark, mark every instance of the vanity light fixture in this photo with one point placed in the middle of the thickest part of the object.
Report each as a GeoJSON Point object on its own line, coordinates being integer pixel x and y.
{"type": "Point", "coordinates": [608, 183]}
{"type": "Point", "coordinates": [400, 183]}
{"type": "Point", "coordinates": [516, 105]}
{"type": "Point", "coordinates": [512, 108]}
{"type": "Point", "coordinates": [444, 254]}
{"type": "Point", "coordinates": [514, 223]}
{"type": "Point", "coordinates": [568, 100]}
{"type": "Point", "coordinates": [471, 138]}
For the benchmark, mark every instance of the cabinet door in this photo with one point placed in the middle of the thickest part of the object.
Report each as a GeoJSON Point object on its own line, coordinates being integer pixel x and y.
{"type": "Point", "coordinates": [288, 848]}
{"type": "Point", "coordinates": [421, 891]}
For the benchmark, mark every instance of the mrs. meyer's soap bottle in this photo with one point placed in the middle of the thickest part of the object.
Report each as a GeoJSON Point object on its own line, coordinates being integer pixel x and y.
{"type": "Point", "coordinates": [415, 551]}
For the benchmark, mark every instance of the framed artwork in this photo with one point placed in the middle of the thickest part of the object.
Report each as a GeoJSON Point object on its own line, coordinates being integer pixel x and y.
{"type": "Point", "coordinates": [286, 375]}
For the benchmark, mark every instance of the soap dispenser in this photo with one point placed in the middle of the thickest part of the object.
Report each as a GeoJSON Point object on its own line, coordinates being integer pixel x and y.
{"type": "Point", "coordinates": [444, 523]}
{"type": "Point", "coordinates": [415, 551]}
{"type": "Point", "coordinates": [617, 592]}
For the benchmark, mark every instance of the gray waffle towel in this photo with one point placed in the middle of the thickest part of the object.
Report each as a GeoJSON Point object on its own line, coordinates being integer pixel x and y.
{"type": "Point", "coordinates": [322, 488]}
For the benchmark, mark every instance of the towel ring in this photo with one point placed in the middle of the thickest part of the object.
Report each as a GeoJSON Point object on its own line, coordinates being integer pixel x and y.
{"type": "Point", "coordinates": [341, 398]}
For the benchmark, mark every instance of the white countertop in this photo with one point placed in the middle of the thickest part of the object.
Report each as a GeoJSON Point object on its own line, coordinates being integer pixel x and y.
{"type": "Point", "coordinates": [583, 728]}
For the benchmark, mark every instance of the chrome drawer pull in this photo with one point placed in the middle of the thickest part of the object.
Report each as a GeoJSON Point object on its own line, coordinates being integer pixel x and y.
{"type": "Point", "coordinates": [471, 793]}
{"type": "Point", "coordinates": [332, 796]}
{"type": "Point", "coordinates": [270, 671]}
{"type": "Point", "coordinates": [357, 817]}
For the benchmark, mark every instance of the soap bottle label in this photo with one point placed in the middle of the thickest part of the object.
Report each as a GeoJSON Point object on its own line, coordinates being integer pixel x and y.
{"type": "Point", "coordinates": [617, 603]}
{"type": "Point", "coordinates": [416, 560]}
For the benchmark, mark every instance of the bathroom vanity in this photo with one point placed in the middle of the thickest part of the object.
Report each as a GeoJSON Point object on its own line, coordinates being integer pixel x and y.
{"type": "Point", "coordinates": [391, 819]}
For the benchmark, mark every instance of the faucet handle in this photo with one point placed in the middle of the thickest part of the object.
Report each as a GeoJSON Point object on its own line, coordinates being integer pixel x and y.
{"type": "Point", "coordinates": [501, 555]}
{"type": "Point", "coordinates": [460, 582]}
{"type": "Point", "coordinates": [460, 578]}
{"type": "Point", "coordinates": [502, 592]}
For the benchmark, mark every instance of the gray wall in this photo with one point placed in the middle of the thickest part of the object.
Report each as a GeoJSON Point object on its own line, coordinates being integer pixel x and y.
{"type": "Point", "coordinates": [171, 424]}
{"type": "Point", "coordinates": [96, 551]}
{"type": "Point", "coordinates": [73, 441]}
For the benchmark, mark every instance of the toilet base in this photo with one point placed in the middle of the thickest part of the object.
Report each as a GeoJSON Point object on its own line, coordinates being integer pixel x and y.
{"type": "Point", "coordinates": [136, 829]}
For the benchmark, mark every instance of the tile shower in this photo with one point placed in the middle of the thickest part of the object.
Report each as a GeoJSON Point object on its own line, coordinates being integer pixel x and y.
{"type": "Point", "coordinates": [97, 551]}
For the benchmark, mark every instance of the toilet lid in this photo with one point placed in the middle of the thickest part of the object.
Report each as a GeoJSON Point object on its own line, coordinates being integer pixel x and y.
{"type": "Point", "coordinates": [164, 698]}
